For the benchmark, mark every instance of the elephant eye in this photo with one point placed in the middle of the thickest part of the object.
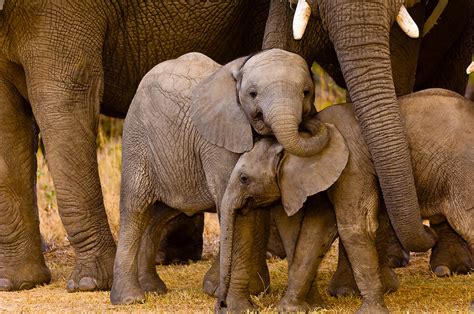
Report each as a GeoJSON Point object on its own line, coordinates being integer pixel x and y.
{"type": "Point", "coordinates": [244, 178]}
{"type": "Point", "coordinates": [253, 94]}
{"type": "Point", "coordinates": [306, 92]}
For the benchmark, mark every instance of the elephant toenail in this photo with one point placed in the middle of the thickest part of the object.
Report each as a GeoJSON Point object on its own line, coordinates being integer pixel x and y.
{"type": "Point", "coordinates": [442, 271]}
{"type": "Point", "coordinates": [87, 284]}
{"type": "Point", "coordinates": [5, 284]}
{"type": "Point", "coordinates": [210, 288]}
{"type": "Point", "coordinates": [71, 286]}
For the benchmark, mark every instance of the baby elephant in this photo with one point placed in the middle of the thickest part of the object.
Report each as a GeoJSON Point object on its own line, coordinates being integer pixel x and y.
{"type": "Point", "coordinates": [189, 121]}
{"type": "Point", "coordinates": [439, 126]}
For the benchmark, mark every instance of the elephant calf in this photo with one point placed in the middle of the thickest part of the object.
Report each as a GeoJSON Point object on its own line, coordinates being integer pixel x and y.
{"type": "Point", "coordinates": [439, 128]}
{"type": "Point", "coordinates": [188, 123]}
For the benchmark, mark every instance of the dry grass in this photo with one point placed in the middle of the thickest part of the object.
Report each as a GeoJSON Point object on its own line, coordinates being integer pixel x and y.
{"type": "Point", "coordinates": [420, 290]}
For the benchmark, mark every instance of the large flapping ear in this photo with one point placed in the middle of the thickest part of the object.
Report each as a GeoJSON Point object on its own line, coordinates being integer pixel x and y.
{"type": "Point", "coordinates": [300, 177]}
{"type": "Point", "coordinates": [216, 112]}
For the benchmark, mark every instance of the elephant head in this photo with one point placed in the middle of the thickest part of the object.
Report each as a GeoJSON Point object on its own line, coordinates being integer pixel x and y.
{"type": "Point", "coordinates": [267, 173]}
{"type": "Point", "coordinates": [360, 32]}
{"type": "Point", "coordinates": [270, 92]}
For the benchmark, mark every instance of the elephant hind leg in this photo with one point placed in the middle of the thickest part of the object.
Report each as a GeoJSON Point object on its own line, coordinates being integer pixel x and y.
{"type": "Point", "coordinates": [22, 264]}
{"type": "Point", "coordinates": [161, 216]}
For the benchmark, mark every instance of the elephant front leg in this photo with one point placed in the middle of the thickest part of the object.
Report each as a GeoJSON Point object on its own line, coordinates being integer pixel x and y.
{"type": "Point", "coordinates": [22, 264]}
{"type": "Point", "coordinates": [318, 232]}
{"type": "Point", "coordinates": [357, 224]}
{"type": "Point", "coordinates": [67, 112]}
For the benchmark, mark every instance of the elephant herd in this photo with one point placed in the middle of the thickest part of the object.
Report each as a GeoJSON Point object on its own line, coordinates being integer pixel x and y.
{"type": "Point", "coordinates": [241, 138]}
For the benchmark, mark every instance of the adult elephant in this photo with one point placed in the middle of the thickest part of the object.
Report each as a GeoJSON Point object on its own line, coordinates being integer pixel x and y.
{"type": "Point", "coordinates": [359, 45]}
{"type": "Point", "coordinates": [63, 63]}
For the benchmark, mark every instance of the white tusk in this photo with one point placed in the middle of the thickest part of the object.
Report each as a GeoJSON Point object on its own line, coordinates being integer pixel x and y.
{"type": "Point", "coordinates": [407, 24]}
{"type": "Point", "coordinates": [470, 68]}
{"type": "Point", "coordinates": [301, 18]}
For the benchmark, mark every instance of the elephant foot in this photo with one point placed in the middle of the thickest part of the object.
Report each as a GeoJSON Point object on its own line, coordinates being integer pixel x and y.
{"type": "Point", "coordinates": [389, 280]}
{"type": "Point", "coordinates": [92, 273]}
{"type": "Point", "coordinates": [125, 296]}
{"type": "Point", "coordinates": [261, 281]}
{"type": "Point", "coordinates": [152, 283]}
{"type": "Point", "coordinates": [288, 304]}
{"type": "Point", "coordinates": [446, 260]}
{"type": "Point", "coordinates": [398, 258]}
{"type": "Point", "coordinates": [24, 276]}
{"type": "Point", "coordinates": [210, 283]}
{"type": "Point", "coordinates": [375, 308]}
{"type": "Point", "coordinates": [342, 284]}
{"type": "Point", "coordinates": [314, 298]}
{"type": "Point", "coordinates": [235, 304]}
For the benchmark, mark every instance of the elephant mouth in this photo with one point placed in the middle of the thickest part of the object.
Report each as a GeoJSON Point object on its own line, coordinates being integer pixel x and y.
{"type": "Point", "coordinates": [251, 203]}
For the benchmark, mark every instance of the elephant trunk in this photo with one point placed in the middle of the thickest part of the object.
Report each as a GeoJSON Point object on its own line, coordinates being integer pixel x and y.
{"type": "Point", "coordinates": [285, 123]}
{"type": "Point", "coordinates": [230, 205]}
{"type": "Point", "coordinates": [362, 45]}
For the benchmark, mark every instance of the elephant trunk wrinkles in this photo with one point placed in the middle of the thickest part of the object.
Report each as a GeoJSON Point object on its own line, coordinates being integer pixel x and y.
{"type": "Point", "coordinates": [230, 204]}
{"type": "Point", "coordinates": [362, 46]}
{"type": "Point", "coordinates": [285, 123]}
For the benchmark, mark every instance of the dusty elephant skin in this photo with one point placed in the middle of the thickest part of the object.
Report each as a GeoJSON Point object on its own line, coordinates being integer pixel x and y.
{"type": "Point", "coordinates": [439, 128]}
{"type": "Point", "coordinates": [188, 123]}
{"type": "Point", "coordinates": [356, 43]}
{"type": "Point", "coordinates": [61, 63]}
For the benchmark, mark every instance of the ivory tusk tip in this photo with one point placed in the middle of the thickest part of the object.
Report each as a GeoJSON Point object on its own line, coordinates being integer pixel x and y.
{"type": "Point", "coordinates": [470, 68]}
{"type": "Point", "coordinates": [407, 24]}
{"type": "Point", "coordinates": [301, 18]}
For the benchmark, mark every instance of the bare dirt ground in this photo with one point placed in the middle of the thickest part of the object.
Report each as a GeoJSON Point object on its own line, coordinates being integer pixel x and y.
{"type": "Point", "coordinates": [420, 291]}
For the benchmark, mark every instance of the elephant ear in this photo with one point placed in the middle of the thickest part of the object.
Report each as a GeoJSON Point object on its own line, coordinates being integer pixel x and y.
{"type": "Point", "coordinates": [216, 112]}
{"type": "Point", "coordinates": [300, 177]}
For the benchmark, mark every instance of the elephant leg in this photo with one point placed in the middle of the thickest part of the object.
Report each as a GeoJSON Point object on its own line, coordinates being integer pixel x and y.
{"type": "Point", "coordinates": [288, 228]}
{"type": "Point", "coordinates": [68, 120]}
{"type": "Point", "coordinates": [388, 249]}
{"type": "Point", "coordinates": [22, 264]}
{"type": "Point", "coordinates": [275, 247]}
{"type": "Point", "coordinates": [357, 224]}
{"type": "Point", "coordinates": [181, 240]}
{"type": "Point", "coordinates": [318, 232]}
{"type": "Point", "coordinates": [161, 215]}
{"type": "Point", "coordinates": [451, 254]}
{"type": "Point", "coordinates": [210, 284]}
{"type": "Point", "coordinates": [342, 283]}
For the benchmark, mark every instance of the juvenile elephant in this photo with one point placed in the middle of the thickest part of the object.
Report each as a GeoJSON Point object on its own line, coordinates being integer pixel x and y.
{"type": "Point", "coordinates": [268, 174]}
{"type": "Point", "coordinates": [439, 129]}
{"type": "Point", "coordinates": [188, 123]}
{"type": "Point", "coordinates": [61, 64]}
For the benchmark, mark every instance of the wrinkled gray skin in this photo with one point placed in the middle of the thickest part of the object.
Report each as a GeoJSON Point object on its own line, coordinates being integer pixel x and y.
{"type": "Point", "coordinates": [267, 174]}
{"type": "Point", "coordinates": [61, 64]}
{"type": "Point", "coordinates": [188, 123]}
{"type": "Point", "coordinates": [356, 43]}
{"type": "Point", "coordinates": [439, 124]}
{"type": "Point", "coordinates": [359, 45]}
